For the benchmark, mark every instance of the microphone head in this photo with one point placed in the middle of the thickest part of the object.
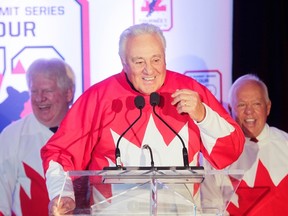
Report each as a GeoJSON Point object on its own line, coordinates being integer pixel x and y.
{"type": "Point", "coordinates": [154, 99]}
{"type": "Point", "coordinates": [145, 146]}
{"type": "Point", "coordinates": [139, 102]}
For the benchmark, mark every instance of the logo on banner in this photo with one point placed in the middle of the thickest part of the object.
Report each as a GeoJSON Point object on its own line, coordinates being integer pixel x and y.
{"type": "Point", "coordinates": [212, 79]}
{"type": "Point", "coordinates": [157, 12]}
{"type": "Point", "coordinates": [29, 32]}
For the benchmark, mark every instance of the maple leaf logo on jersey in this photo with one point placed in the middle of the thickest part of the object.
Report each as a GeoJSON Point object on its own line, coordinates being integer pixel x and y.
{"type": "Point", "coordinates": [163, 154]}
{"type": "Point", "coordinates": [34, 201]}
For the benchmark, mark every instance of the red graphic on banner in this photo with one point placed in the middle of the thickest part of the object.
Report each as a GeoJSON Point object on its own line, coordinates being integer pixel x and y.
{"type": "Point", "coordinates": [154, 5]}
{"type": "Point", "coordinates": [19, 69]}
{"type": "Point", "coordinates": [156, 12]}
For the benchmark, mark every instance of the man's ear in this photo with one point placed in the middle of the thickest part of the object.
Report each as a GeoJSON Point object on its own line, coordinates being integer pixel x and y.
{"type": "Point", "coordinates": [123, 62]}
{"type": "Point", "coordinates": [69, 95]}
{"type": "Point", "coordinates": [269, 104]}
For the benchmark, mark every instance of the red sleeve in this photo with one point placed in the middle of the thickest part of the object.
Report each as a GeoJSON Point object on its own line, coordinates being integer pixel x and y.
{"type": "Point", "coordinates": [72, 143]}
{"type": "Point", "coordinates": [228, 147]}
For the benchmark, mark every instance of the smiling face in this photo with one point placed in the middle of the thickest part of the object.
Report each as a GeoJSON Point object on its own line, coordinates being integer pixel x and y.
{"type": "Point", "coordinates": [144, 62]}
{"type": "Point", "coordinates": [49, 102]}
{"type": "Point", "coordinates": [250, 108]}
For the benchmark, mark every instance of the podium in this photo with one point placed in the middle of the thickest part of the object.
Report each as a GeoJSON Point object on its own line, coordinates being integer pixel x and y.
{"type": "Point", "coordinates": [152, 191]}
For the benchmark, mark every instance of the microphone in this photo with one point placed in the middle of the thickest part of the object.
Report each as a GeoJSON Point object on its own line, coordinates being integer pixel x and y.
{"type": "Point", "coordinates": [154, 101]}
{"type": "Point", "coordinates": [139, 103]}
{"type": "Point", "coordinates": [146, 146]}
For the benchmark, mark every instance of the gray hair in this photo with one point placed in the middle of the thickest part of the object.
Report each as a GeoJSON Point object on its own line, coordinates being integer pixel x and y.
{"type": "Point", "coordinates": [139, 29]}
{"type": "Point", "coordinates": [55, 68]}
{"type": "Point", "coordinates": [243, 79]}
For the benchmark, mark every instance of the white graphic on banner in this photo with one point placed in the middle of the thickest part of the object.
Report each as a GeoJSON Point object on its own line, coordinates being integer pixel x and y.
{"type": "Point", "coordinates": [211, 79]}
{"type": "Point", "coordinates": [30, 30]}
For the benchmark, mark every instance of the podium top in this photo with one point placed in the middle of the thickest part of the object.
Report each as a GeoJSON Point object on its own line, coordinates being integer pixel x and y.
{"type": "Point", "coordinates": [167, 175]}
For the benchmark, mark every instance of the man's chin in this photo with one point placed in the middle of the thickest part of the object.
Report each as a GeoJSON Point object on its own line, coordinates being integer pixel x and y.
{"type": "Point", "coordinates": [248, 132]}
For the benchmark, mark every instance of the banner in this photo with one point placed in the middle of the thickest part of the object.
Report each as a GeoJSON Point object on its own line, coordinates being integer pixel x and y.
{"type": "Point", "coordinates": [34, 29]}
{"type": "Point", "coordinates": [85, 33]}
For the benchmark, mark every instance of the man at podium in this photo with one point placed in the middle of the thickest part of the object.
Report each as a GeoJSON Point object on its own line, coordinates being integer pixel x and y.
{"type": "Point", "coordinates": [144, 104]}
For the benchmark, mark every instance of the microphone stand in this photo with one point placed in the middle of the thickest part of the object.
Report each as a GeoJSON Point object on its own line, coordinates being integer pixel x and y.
{"type": "Point", "coordinates": [154, 100]}
{"type": "Point", "coordinates": [139, 103]}
{"type": "Point", "coordinates": [151, 155]}
{"type": "Point", "coordinates": [117, 151]}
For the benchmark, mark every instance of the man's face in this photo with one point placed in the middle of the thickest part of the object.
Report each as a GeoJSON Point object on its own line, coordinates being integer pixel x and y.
{"type": "Point", "coordinates": [144, 63]}
{"type": "Point", "coordinates": [250, 108]}
{"type": "Point", "coordinates": [49, 102]}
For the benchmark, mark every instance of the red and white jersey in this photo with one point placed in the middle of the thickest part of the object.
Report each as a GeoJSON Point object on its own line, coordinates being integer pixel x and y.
{"type": "Point", "coordinates": [263, 189]}
{"type": "Point", "coordinates": [22, 185]}
{"type": "Point", "coordinates": [88, 135]}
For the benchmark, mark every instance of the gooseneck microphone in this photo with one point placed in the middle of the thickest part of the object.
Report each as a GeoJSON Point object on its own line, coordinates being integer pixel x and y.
{"type": "Point", "coordinates": [154, 101]}
{"type": "Point", "coordinates": [139, 103]}
{"type": "Point", "coordinates": [151, 154]}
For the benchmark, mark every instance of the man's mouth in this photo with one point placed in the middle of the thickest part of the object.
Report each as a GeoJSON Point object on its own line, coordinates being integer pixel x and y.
{"type": "Point", "coordinates": [44, 107]}
{"type": "Point", "coordinates": [250, 120]}
{"type": "Point", "coordinates": [149, 78]}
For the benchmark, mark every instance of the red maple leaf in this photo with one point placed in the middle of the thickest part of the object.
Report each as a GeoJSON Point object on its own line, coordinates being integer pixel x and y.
{"type": "Point", "coordinates": [263, 199]}
{"type": "Point", "coordinates": [38, 203]}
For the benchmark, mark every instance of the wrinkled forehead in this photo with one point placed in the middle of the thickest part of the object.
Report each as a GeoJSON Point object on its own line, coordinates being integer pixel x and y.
{"type": "Point", "coordinates": [248, 90]}
{"type": "Point", "coordinates": [41, 79]}
{"type": "Point", "coordinates": [248, 85]}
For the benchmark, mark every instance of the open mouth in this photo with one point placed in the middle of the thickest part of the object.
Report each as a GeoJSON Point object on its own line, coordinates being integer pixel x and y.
{"type": "Point", "coordinates": [250, 121]}
{"type": "Point", "coordinates": [44, 107]}
{"type": "Point", "coordinates": [149, 78]}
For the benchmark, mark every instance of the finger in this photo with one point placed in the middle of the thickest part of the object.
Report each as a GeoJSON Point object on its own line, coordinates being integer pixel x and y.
{"type": "Point", "coordinates": [176, 93]}
{"type": "Point", "coordinates": [66, 206]}
{"type": "Point", "coordinates": [184, 103]}
{"type": "Point", "coordinates": [179, 97]}
{"type": "Point", "coordinates": [176, 100]}
{"type": "Point", "coordinates": [61, 208]}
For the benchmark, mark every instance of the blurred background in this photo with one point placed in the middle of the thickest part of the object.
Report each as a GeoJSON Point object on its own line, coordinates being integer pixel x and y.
{"type": "Point", "coordinates": [260, 46]}
{"type": "Point", "coordinates": [214, 42]}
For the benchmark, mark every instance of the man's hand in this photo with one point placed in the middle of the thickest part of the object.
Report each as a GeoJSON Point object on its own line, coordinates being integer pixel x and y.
{"type": "Point", "coordinates": [59, 207]}
{"type": "Point", "coordinates": [188, 101]}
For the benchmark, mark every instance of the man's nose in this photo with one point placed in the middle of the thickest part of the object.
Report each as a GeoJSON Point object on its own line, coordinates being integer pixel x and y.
{"type": "Point", "coordinates": [148, 69]}
{"type": "Point", "coordinates": [39, 97]}
{"type": "Point", "coordinates": [249, 108]}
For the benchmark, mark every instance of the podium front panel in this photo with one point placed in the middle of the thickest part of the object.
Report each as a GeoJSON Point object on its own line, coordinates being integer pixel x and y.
{"type": "Point", "coordinates": [152, 192]}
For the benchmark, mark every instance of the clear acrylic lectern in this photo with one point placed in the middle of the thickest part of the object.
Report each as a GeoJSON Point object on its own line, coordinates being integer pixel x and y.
{"type": "Point", "coordinates": [152, 191]}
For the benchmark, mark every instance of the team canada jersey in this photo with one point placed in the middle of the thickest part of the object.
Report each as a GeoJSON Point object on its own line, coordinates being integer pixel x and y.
{"type": "Point", "coordinates": [22, 185]}
{"type": "Point", "coordinates": [263, 189]}
{"type": "Point", "coordinates": [88, 135]}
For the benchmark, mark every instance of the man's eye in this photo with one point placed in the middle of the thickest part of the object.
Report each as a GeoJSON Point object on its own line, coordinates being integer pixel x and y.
{"type": "Point", "coordinates": [156, 60]}
{"type": "Point", "coordinates": [257, 104]}
{"type": "Point", "coordinates": [139, 62]}
{"type": "Point", "coordinates": [240, 105]}
{"type": "Point", "coordinates": [48, 91]}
